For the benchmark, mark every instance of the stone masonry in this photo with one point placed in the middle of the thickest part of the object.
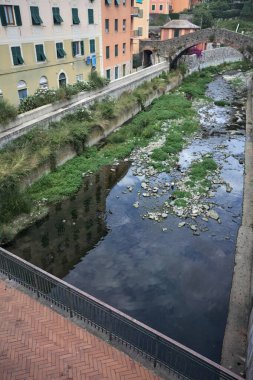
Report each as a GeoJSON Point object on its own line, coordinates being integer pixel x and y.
{"type": "Point", "coordinates": [171, 49]}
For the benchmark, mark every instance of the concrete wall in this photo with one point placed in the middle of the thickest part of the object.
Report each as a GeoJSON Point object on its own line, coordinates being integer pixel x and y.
{"type": "Point", "coordinates": [53, 112]}
{"type": "Point", "coordinates": [212, 57]}
{"type": "Point", "coordinates": [249, 221]}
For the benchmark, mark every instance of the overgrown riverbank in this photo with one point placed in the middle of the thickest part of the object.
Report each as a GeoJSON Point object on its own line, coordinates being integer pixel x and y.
{"type": "Point", "coordinates": [26, 153]}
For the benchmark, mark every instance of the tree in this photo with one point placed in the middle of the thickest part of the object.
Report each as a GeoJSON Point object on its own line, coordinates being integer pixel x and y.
{"type": "Point", "coordinates": [202, 17]}
{"type": "Point", "coordinates": [247, 10]}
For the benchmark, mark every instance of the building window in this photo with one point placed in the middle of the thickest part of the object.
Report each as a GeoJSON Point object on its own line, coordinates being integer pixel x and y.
{"type": "Point", "coordinates": [140, 31]}
{"type": "Point", "coordinates": [108, 74]}
{"type": "Point", "coordinates": [10, 15]}
{"type": "Point", "coordinates": [22, 90]}
{"type": "Point", "coordinates": [107, 27]}
{"type": "Point", "coordinates": [107, 52]}
{"type": "Point", "coordinates": [124, 70]}
{"type": "Point", "coordinates": [43, 83]}
{"type": "Point", "coordinates": [124, 48]}
{"type": "Point", "coordinates": [79, 78]}
{"type": "Point", "coordinates": [116, 24]}
{"type": "Point", "coordinates": [40, 55]}
{"type": "Point", "coordinates": [62, 80]}
{"type": "Point", "coordinates": [153, 7]}
{"type": "Point", "coordinates": [77, 48]}
{"type": "Point", "coordinates": [92, 46]}
{"type": "Point", "coordinates": [161, 7]}
{"type": "Point", "coordinates": [116, 72]}
{"type": "Point", "coordinates": [176, 33]}
{"type": "Point", "coordinates": [59, 50]}
{"type": "Point", "coordinates": [56, 16]}
{"type": "Point", "coordinates": [35, 14]}
{"type": "Point", "coordinates": [116, 50]}
{"type": "Point", "coordinates": [124, 25]}
{"type": "Point", "coordinates": [117, 2]}
{"type": "Point", "coordinates": [108, 2]}
{"type": "Point", "coordinates": [75, 17]}
{"type": "Point", "coordinates": [16, 56]}
{"type": "Point", "coordinates": [90, 16]}
{"type": "Point", "coordinates": [124, 2]}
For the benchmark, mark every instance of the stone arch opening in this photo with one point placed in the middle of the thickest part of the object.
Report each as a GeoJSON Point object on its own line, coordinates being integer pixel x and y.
{"type": "Point", "coordinates": [147, 58]}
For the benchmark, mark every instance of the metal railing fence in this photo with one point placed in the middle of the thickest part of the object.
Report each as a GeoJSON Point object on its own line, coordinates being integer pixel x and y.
{"type": "Point", "coordinates": [158, 348]}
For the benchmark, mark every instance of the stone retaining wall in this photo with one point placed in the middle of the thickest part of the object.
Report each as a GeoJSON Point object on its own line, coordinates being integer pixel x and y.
{"type": "Point", "coordinates": [53, 112]}
{"type": "Point", "coordinates": [212, 57]}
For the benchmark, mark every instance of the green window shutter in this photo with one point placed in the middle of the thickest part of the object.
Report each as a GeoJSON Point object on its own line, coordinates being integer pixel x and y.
{"type": "Point", "coordinates": [40, 53]}
{"type": "Point", "coordinates": [14, 55]}
{"type": "Point", "coordinates": [60, 51]}
{"type": "Point", "coordinates": [75, 17]}
{"type": "Point", "coordinates": [90, 16]}
{"type": "Point", "coordinates": [116, 50]}
{"type": "Point", "coordinates": [36, 20]}
{"type": "Point", "coordinates": [2, 16]}
{"type": "Point", "coordinates": [82, 47]}
{"type": "Point", "coordinates": [17, 57]}
{"type": "Point", "coordinates": [107, 52]}
{"type": "Point", "coordinates": [17, 15]}
{"type": "Point", "coordinates": [92, 46]}
{"type": "Point", "coordinates": [73, 49]}
{"type": "Point", "coordinates": [56, 16]}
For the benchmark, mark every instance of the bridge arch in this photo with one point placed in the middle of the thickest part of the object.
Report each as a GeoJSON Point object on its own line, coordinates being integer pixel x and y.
{"type": "Point", "coordinates": [173, 48]}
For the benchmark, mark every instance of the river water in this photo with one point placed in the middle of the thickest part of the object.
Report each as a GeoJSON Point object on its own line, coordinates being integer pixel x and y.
{"type": "Point", "coordinates": [165, 276]}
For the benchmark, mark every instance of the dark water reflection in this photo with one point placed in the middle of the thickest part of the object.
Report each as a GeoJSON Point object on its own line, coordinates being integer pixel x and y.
{"type": "Point", "coordinates": [173, 281]}
{"type": "Point", "coordinates": [72, 227]}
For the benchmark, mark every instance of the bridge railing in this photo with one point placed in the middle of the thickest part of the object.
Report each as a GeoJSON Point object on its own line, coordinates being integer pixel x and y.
{"type": "Point", "coordinates": [158, 348]}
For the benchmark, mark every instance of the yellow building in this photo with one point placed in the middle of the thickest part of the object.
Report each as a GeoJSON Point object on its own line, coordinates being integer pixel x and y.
{"type": "Point", "coordinates": [140, 23]}
{"type": "Point", "coordinates": [45, 44]}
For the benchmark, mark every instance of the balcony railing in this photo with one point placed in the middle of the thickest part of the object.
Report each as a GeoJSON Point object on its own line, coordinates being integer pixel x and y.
{"type": "Point", "coordinates": [158, 348]}
{"type": "Point", "coordinates": [136, 12]}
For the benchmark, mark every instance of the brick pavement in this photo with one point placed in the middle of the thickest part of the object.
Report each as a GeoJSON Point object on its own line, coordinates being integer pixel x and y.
{"type": "Point", "coordinates": [36, 343]}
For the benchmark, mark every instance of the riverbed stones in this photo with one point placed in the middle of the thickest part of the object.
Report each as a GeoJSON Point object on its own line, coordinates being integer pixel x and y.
{"type": "Point", "coordinates": [212, 214]}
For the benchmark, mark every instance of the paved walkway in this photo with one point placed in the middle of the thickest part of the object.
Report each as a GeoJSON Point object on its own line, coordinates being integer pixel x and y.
{"type": "Point", "coordinates": [37, 343]}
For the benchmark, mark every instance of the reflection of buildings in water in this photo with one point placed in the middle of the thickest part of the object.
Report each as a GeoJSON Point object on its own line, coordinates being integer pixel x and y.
{"type": "Point", "coordinates": [72, 227]}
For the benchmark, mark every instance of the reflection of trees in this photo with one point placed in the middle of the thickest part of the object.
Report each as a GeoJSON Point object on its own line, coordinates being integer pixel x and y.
{"type": "Point", "coordinates": [73, 227]}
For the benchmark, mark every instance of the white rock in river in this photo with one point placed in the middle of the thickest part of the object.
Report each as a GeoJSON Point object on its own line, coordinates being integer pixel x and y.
{"type": "Point", "coordinates": [181, 224]}
{"type": "Point", "coordinates": [146, 194]}
{"type": "Point", "coordinates": [136, 204]}
{"type": "Point", "coordinates": [193, 227]}
{"type": "Point", "coordinates": [212, 214]}
{"type": "Point", "coordinates": [144, 185]}
{"type": "Point", "coordinates": [164, 215]}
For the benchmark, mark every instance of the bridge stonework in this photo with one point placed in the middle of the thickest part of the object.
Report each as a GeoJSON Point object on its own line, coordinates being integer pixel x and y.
{"type": "Point", "coordinates": [171, 49]}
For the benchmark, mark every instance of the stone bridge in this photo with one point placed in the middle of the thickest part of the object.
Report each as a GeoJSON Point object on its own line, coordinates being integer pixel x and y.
{"type": "Point", "coordinates": [173, 48]}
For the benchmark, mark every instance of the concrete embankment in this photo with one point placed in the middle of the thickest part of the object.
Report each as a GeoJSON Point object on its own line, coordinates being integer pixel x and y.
{"type": "Point", "coordinates": [235, 339]}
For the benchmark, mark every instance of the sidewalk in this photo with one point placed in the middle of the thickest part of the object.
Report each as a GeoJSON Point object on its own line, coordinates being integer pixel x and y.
{"type": "Point", "coordinates": [37, 343]}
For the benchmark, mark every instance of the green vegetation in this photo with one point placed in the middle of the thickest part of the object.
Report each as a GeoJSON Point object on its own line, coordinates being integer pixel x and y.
{"type": "Point", "coordinates": [200, 169]}
{"type": "Point", "coordinates": [221, 103]}
{"type": "Point", "coordinates": [225, 14]}
{"type": "Point", "coordinates": [7, 112]}
{"type": "Point", "coordinates": [47, 96]}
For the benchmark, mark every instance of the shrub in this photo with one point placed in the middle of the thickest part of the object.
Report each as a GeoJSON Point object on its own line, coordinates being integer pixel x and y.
{"type": "Point", "coordinates": [96, 81]}
{"type": "Point", "coordinates": [7, 112]}
{"type": "Point", "coordinates": [14, 201]}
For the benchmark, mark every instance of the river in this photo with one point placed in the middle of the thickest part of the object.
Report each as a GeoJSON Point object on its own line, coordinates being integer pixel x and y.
{"type": "Point", "coordinates": [176, 280]}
